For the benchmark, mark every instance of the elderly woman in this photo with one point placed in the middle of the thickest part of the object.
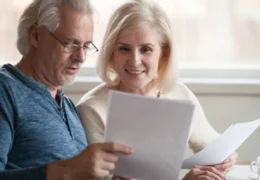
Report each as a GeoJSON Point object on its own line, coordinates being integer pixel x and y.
{"type": "Point", "coordinates": [137, 57]}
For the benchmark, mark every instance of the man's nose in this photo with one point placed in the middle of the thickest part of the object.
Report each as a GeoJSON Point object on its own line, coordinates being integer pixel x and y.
{"type": "Point", "coordinates": [80, 55]}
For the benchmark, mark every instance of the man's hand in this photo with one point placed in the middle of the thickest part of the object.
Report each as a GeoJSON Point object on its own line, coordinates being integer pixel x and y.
{"type": "Point", "coordinates": [96, 161]}
{"type": "Point", "coordinates": [204, 173]}
{"type": "Point", "coordinates": [228, 163]}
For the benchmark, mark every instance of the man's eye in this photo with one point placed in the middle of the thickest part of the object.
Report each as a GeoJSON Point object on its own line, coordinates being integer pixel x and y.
{"type": "Point", "coordinates": [68, 43]}
{"type": "Point", "coordinates": [88, 46]}
{"type": "Point", "coordinates": [124, 49]}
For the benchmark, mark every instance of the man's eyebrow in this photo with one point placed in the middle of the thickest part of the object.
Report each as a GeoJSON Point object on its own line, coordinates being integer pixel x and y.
{"type": "Point", "coordinates": [76, 41]}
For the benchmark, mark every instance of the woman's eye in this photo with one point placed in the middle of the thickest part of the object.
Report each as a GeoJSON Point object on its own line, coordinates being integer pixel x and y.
{"type": "Point", "coordinates": [146, 49]}
{"type": "Point", "coordinates": [124, 49]}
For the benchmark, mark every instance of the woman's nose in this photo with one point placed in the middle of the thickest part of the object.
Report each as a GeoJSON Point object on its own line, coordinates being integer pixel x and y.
{"type": "Point", "coordinates": [135, 58]}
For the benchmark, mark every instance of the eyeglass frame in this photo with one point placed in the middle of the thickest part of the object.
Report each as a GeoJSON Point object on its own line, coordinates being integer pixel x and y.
{"type": "Point", "coordinates": [79, 47]}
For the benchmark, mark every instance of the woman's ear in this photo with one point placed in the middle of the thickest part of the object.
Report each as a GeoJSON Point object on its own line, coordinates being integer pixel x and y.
{"type": "Point", "coordinates": [112, 64]}
{"type": "Point", "coordinates": [164, 54]}
{"type": "Point", "coordinates": [34, 35]}
{"type": "Point", "coordinates": [163, 58]}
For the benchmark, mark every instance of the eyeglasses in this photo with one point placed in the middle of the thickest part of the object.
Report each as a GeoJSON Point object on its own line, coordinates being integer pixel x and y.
{"type": "Point", "coordinates": [71, 48]}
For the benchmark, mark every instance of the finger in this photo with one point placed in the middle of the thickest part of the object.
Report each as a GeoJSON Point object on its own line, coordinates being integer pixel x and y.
{"type": "Point", "coordinates": [120, 178]}
{"type": "Point", "coordinates": [224, 170]}
{"type": "Point", "coordinates": [123, 178]}
{"type": "Point", "coordinates": [212, 170]}
{"type": "Point", "coordinates": [108, 157]}
{"type": "Point", "coordinates": [231, 157]}
{"type": "Point", "coordinates": [224, 166]}
{"type": "Point", "coordinates": [117, 148]}
{"type": "Point", "coordinates": [204, 178]}
{"type": "Point", "coordinates": [101, 173]}
{"type": "Point", "coordinates": [199, 174]}
{"type": "Point", "coordinates": [228, 159]}
{"type": "Point", "coordinates": [234, 156]}
{"type": "Point", "coordinates": [107, 166]}
{"type": "Point", "coordinates": [227, 170]}
{"type": "Point", "coordinates": [115, 177]}
{"type": "Point", "coordinates": [98, 152]}
{"type": "Point", "coordinates": [193, 173]}
{"type": "Point", "coordinates": [211, 175]}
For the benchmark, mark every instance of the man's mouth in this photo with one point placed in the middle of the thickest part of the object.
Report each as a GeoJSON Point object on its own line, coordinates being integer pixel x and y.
{"type": "Point", "coordinates": [72, 70]}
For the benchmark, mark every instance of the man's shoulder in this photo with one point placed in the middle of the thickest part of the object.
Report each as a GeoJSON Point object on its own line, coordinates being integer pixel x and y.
{"type": "Point", "coordinates": [6, 78]}
{"type": "Point", "coordinates": [68, 101]}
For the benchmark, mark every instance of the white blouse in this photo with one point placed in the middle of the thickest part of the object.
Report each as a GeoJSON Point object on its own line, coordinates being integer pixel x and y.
{"type": "Point", "coordinates": [92, 109]}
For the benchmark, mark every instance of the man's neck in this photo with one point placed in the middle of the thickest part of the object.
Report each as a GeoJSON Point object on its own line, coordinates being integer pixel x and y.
{"type": "Point", "coordinates": [53, 92]}
{"type": "Point", "coordinates": [26, 67]}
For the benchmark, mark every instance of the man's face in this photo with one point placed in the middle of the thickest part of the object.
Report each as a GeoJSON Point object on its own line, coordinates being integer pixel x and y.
{"type": "Point", "coordinates": [55, 66]}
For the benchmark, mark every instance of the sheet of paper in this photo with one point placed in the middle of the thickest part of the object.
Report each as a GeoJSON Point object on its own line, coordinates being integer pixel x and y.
{"type": "Point", "coordinates": [223, 146]}
{"type": "Point", "coordinates": [156, 129]}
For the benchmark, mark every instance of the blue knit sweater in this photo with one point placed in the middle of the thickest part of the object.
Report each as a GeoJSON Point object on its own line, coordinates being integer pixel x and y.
{"type": "Point", "coordinates": [34, 129]}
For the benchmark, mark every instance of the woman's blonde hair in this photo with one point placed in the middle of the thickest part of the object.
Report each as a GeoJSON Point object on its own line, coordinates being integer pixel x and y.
{"type": "Point", "coordinates": [45, 13]}
{"type": "Point", "coordinates": [135, 15]}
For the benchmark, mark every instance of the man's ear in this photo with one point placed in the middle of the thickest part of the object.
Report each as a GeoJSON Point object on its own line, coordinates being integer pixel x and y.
{"type": "Point", "coordinates": [34, 36]}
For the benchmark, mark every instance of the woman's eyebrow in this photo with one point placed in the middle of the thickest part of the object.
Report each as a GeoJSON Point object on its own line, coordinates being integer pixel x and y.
{"type": "Point", "coordinates": [147, 44]}
{"type": "Point", "coordinates": [125, 44]}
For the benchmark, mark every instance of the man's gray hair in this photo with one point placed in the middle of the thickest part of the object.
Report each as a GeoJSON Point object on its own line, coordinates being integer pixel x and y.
{"type": "Point", "coordinates": [45, 13]}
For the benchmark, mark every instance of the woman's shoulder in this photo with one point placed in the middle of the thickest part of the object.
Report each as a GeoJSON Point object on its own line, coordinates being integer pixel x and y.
{"type": "Point", "coordinates": [180, 92]}
{"type": "Point", "coordinates": [97, 95]}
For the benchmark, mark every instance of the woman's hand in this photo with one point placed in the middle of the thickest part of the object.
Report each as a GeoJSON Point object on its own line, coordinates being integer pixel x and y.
{"type": "Point", "coordinates": [228, 163]}
{"type": "Point", "coordinates": [204, 173]}
{"type": "Point", "coordinates": [120, 178]}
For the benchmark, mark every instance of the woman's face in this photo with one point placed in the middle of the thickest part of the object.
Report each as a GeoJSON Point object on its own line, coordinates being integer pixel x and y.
{"type": "Point", "coordinates": [136, 58]}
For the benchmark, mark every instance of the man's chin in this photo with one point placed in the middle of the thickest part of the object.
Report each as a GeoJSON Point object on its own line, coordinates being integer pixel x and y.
{"type": "Point", "coordinates": [67, 82]}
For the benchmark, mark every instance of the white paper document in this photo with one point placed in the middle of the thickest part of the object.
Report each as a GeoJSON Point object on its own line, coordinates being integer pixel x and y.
{"type": "Point", "coordinates": [156, 129]}
{"type": "Point", "coordinates": [223, 146]}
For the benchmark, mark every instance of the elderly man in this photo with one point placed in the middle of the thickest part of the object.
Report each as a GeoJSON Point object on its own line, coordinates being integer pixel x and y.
{"type": "Point", "coordinates": [41, 136]}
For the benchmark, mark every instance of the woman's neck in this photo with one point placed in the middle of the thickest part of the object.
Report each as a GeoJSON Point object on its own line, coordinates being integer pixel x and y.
{"type": "Point", "coordinates": [146, 91]}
